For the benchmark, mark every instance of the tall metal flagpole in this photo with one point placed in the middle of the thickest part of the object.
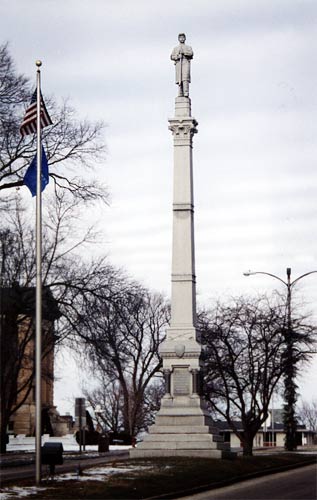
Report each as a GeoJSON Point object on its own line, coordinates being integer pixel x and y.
{"type": "Point", "coordinates": [38, 307]}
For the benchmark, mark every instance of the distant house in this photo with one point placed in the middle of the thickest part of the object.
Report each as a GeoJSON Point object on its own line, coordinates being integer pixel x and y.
{"type": "Point", "coordinates": [270, 435]}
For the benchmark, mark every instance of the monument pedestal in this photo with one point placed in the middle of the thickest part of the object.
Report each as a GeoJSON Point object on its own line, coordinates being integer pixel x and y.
{"type": "Point", "coordinates": [182, 426]}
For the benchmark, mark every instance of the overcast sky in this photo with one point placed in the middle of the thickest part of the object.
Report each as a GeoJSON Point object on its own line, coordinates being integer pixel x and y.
{"type": "Point", "coordinates": [254, 95]}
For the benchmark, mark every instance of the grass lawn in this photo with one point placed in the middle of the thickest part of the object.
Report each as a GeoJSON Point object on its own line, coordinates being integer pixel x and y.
{"type": "Point", "coordinates": [146, 478]}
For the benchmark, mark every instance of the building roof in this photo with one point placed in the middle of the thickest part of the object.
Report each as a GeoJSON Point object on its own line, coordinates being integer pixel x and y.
{"type": "Point", "coordinates": [21, 300]}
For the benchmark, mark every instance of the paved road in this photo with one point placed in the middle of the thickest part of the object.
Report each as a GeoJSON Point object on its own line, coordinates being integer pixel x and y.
{"type": "Point", "coordinates": [297, 484]}
{"type": "Point", "coordinates": [9, 474]}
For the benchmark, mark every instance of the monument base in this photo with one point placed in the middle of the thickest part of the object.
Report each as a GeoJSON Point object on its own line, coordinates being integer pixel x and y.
{"type": "Point", "coordinates": [182, 429]}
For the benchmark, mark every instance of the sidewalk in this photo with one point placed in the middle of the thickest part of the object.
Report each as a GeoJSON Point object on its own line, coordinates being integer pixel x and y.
{"type": "Point", "coordinates": [22, 466]}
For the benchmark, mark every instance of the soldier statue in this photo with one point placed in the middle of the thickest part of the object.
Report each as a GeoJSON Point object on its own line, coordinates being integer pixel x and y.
{"type": "Point", "coordinates": [182, 54]}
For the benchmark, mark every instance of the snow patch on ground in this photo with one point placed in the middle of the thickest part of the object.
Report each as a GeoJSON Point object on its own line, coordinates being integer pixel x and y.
{"type": "Point", "coordinates": [101, 473]}
{"type": "Point", "coordinates": [16, 492]}
{"type": "Point", "coordinates": [92, 474]}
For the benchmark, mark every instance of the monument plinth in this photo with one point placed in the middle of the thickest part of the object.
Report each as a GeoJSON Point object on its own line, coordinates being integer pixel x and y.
{"type": "Point", "coordinates": [182, 426]}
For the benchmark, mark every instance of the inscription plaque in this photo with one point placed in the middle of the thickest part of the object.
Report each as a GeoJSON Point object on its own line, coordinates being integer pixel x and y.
{"type": "Point", "coordinates": [181, 381]}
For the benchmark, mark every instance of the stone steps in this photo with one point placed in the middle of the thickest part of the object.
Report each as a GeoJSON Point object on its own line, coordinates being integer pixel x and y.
{"type": "Point", "coordinates": [182, 429]}
{"type": "Point", "coordinates": [183, 445]}
{"type": "Point", "coordinates": [180, 445]}
{"type": "Point", "coordinates": [140, 453]}
{"type": "Point", "coordinates": [181, 438]}
{"type": "Point", "coordinates": [218, 454]}
{"type": "Point", "coordinates": [182, 432]}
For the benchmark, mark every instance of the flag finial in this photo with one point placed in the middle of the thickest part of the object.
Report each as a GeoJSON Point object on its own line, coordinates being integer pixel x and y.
{"type": "Point", "coordinates": [38, 63]}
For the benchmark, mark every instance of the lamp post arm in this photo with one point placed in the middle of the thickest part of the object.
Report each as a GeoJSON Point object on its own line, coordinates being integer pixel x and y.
{"type": "Point", "coordinates": [269, 274]}
{"type": "Point", "coordinates": [302, 276]}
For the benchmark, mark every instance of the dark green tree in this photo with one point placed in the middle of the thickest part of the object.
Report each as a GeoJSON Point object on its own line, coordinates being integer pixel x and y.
{"type": "Point", "coordinates": [290, 365]}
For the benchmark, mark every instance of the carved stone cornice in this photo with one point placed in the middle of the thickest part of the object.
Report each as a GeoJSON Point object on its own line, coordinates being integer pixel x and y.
{"type": "Point", "coordinates": [185, 355]}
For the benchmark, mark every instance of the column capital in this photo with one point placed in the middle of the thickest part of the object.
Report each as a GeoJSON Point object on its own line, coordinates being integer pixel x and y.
{"type": "Point", "coordinates": [183, 129]}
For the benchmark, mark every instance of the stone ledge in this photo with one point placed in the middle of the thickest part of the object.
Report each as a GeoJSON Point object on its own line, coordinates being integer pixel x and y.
{"type": "Point", "coordinates": [181, 405]}
{"type": "Point", "coordinates": [208, 438]}
{"type": "Point", "coordinates": [179, 420]}
{"type": "Point", "coordinates": [182, 429]}
{"type": "Point", "coordinates": [136, 453]}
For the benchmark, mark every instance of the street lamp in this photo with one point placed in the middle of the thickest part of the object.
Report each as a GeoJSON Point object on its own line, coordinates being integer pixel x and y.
{"type": "Point", "coordinates": [290, 371]}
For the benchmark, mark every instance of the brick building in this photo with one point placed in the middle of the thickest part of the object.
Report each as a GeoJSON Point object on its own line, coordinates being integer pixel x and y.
{"type": "Point", "coordinates": [17, 314]}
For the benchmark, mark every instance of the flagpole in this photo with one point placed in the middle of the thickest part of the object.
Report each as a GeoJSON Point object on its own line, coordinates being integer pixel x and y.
{"type": "Point", "coordinates": [38, 301]}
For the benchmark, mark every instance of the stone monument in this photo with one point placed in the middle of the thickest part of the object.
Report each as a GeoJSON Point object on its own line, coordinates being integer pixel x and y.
{"type": "Point", "coordinates": [182, 426]}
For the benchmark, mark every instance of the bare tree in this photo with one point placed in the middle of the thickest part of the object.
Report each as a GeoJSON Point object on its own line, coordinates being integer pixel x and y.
{"type": "Point", "coordinates": [244, 345]}
{"type": "Point", "coordinates": [123, 332]}
{"type": "Point", "coordinates": [109, 406]}
{"type": "Point", "coordinates": [307, 413]}
{"type": "Point", "coordinates": [13, 87]}
{"type": "Point", "coordinates": [152, 401]}
{"type": "Point", "coordinates": [70, 144]}
{"type": "Point", "coordinates": [69, 281]}
{"type": "Point", "coordinates": [107, 398]}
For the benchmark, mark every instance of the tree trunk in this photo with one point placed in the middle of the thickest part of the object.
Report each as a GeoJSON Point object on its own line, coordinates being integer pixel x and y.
{"type": "Point", "coordinates": [3, 439]}
{"type": "Point", "coordinates": [247, 444]}
{"type": "Point", "coordinates": [126, 410]}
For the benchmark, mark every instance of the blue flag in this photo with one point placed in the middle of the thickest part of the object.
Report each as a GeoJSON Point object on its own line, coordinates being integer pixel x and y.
{"type": "Point", "coordinates": [30, 176]}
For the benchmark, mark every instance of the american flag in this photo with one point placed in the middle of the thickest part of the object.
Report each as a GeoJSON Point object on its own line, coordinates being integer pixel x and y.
{"type": "Point", "coordinates": [29, 121]}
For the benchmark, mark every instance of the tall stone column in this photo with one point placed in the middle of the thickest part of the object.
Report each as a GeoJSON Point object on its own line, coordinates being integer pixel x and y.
{"type": "Point", "coordinates": [181, 343]}
{"type": "Point", "coordinates": [182, 425]}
